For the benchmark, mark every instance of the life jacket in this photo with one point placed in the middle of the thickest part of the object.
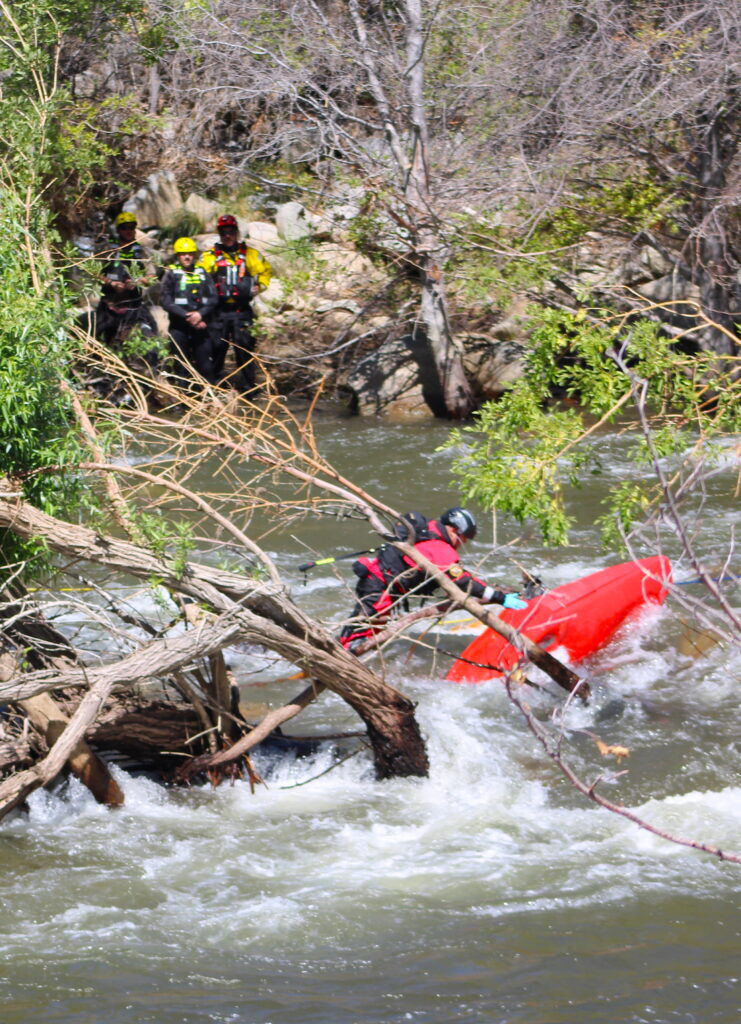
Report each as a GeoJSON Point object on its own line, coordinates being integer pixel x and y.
{"type": "Point", "coordinates": [189, 286]}
{"type": "Point", "coordinates": [227, 266]}
{"type": "Point", "coordinates": [120, 263]}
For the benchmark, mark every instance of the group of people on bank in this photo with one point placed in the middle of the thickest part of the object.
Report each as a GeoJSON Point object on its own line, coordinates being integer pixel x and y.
{"type": "Point", "coordinates": [208, 299]}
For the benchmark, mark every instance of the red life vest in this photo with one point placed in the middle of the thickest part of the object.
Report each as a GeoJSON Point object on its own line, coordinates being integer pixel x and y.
{"type": "Point", "coordinates": [230, 268]}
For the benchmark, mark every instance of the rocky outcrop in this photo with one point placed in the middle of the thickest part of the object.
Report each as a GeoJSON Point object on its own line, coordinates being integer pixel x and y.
{"type": "Point", "coordinates": [156, 202]}
{"type": "Point", "coordinates": [327, 312]}
{"type": "Point", "coordinates": [206, 210]}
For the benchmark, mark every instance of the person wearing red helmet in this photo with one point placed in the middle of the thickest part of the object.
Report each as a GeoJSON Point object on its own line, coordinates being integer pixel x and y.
{"type": "Point", "coordinates": [388, 578]}
{"type": "Point", "coordinates": [239, 273]}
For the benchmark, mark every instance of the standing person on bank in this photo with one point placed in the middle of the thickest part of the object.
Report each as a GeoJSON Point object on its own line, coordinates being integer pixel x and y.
{"type": "Point", "coordinates": [189, 297]}
{"type": "Point", "coordinates": [126, 271]}
{"type": "Point", "coordinates": [239, 274]}
{"type": "Point", "coordinates": [385, 580]}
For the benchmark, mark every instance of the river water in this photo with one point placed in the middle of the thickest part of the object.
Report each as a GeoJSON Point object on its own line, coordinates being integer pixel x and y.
{"type": "Point", "coordinates": [489, 892]}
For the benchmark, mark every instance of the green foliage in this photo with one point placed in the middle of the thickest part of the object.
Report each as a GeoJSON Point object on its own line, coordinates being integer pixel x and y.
{"type": "Point", "coordinates": [522, 451]}
{"type": "Point", "coordinates": [39, 443]}
{"type": "Point", "coordinates": [166, 539]}
{"type": "Point", "coordinates": [137, 345]}
{"type": "Point", "coordinates": [495, 261]}
{"type": "Point", "coordinates": [303, 265]}
{"type": "Point", "coordinates": [183, 224]}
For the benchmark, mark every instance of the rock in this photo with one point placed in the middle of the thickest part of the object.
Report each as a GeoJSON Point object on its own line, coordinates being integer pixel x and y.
{"type": "Point", "coordinates": [670, 288]}
{"type": "Point", "coordinates": [161, 319]}
{"type": "Point", "coordinates": [157, 202]}
{"type": "Point", "coordinates": [344, 262]}
{"type": "Point", "coordinates": [205, 209]}
{"type": "Point", "coordinates": [390, 382]}
{"type": "Point", "coordinates": [645, 265]}
{"type": "Point", "coordinates": [329, 307]}
{"type": "Point", "coordinates": [206, 241]}
{"type": "Point", "coordinates": [271, 297]}
{"type": "Point", "coordinates": [293, 222]}
{"type": "Point", "coordinates": [264, 234]}
{"type": "Point", "coordinates": [492, 364]}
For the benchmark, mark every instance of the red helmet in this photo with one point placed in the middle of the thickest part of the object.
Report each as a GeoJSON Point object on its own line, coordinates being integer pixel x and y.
{"type": "Point", "coordinates": [227, 220]}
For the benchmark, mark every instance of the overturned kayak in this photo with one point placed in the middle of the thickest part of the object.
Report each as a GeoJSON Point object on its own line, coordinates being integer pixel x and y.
{"type": "Point", "coordinates": [579, 617]}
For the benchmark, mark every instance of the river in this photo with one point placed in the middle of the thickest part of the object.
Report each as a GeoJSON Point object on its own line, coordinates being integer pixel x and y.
{"type": "Point", "coordinates": [489, 892]}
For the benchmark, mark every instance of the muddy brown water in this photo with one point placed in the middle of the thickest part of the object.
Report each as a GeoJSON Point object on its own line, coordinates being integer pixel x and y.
{"type": "Point", "coordinates": [489, 892]}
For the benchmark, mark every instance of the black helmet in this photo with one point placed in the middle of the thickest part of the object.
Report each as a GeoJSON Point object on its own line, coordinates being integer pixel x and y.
{"type": "Point", "coordinates": [462, 520]}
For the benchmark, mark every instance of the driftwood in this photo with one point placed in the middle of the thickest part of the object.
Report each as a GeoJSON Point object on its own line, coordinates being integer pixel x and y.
{"type": "Point", "coordinates": [255, 736]}
{"type": "Point", "coordinates": [49, 720]}
{"type": "Point", "coordinates": [262, 614]}
{"type": "Point", "coordinates": [14, 790]}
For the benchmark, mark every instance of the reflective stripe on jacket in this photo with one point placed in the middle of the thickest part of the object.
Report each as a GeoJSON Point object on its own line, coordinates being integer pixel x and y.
{"type": "Point", "coordinates": [233, 273]}
{"type": "Point", "coordinates": [185, 291]}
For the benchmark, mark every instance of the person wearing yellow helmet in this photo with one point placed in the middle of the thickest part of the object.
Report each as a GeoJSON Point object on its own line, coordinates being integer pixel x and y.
{"type": "Point", "coordinates": [126, 270]}
{"type": "Point", "coordinates": [239, 273]}
{"type": "Point", "coordinates": [189, 298]}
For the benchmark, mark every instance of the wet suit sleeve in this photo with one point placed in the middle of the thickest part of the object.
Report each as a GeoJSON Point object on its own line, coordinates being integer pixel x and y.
{"type": "Point", "coordinates": [474, 586]}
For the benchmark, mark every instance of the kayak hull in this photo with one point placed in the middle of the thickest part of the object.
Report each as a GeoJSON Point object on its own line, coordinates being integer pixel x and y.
{"type": "Point", "coordinates": [580, 617]}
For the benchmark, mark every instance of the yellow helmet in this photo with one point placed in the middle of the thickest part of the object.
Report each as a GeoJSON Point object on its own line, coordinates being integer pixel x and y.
{"type": "Point", "coordinates": [185, 245]}
{"type": "Point", "coordinates": [127, 217]}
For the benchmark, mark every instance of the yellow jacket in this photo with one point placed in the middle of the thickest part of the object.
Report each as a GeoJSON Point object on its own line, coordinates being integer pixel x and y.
{"type": "Point", "coordinates": [215, 260]}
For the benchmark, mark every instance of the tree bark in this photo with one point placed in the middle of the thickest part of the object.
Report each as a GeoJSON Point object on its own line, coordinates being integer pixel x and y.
{"type": "Point", "coordinates": [429, 256]}
{"type": "Point", "coordinates": [261, 613]}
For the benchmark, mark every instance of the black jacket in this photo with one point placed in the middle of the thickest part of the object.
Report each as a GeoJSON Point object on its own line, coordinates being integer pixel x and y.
{"type": "Point", "coordinates": [185, 291]}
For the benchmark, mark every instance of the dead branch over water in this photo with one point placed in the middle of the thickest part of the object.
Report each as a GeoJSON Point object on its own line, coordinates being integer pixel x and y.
{"type": "Point", "coordinates": [264, 459]}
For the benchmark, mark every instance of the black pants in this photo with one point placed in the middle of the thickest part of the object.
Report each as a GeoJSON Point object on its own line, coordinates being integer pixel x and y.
{"type": "Point", "coordinates": [108, 326]}
{"type": "Point", "coordinates": [373, 604]}
{"type": "Point", "coordinates": [194, 348]}
{"type": "Point", "coordinates": [235, 328]}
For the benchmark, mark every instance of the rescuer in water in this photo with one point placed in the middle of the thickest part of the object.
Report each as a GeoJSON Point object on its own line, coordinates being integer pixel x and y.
{"type": "Point", "coordinates": [392, 575]}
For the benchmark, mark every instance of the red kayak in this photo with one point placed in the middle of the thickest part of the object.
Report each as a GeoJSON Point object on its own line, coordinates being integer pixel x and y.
{"type": "Point", "coordinates": [580, 617]}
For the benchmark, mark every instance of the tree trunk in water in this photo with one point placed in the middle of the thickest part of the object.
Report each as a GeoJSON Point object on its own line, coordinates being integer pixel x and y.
{"type": "Point", "coordinates": [456, 396]}
{"type": "Point", "coordinates": [255, 612]}
{"type": "Point", "coordinates": [398, 747]}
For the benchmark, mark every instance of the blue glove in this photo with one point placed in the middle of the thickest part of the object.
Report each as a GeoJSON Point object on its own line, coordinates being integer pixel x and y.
{"type": "Point", "coordinates": [513, 601]}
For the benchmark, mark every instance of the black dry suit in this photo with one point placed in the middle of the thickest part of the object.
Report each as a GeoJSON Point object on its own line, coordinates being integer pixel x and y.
{"type": "Point", "coordinates": [120, 311]}
{"type": "Point", "coordinates": [190, 291]}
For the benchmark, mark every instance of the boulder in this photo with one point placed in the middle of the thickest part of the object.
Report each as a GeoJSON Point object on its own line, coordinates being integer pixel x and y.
{"type": "Point", "coordinates": [156, 202]}
{"type": "Point", "coordinates": [206, 241]}
{"type": "Point", "coordinates": [262, 234]}
{"type": "Point", "coordinates": [492, 364]}
{"type": "Point", "coordinates": [271, 297]}
{"type": "Point", "coordinates": [293, 221]}
{"type": "Point", "coordinates": [389, 382]}
{"type": "Point", "coordinates": [205, 209]}
{"type": "Point", "coordinates": [645, 265]}
{"type": "Point", "coordinates": [670, 288]}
